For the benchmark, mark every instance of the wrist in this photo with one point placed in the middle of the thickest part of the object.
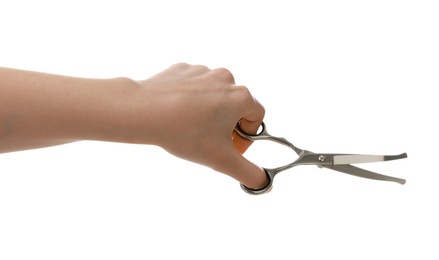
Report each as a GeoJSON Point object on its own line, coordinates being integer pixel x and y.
{"type": "Point", "coordinates": [120, 113]}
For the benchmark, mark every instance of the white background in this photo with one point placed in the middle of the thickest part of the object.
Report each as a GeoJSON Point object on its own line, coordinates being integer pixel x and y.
{"type": "Point", "coordinates": [334, 76]}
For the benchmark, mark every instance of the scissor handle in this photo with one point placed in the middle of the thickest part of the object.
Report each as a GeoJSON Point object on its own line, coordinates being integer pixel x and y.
{"type": "Point", "coordinates": [270, 176]}
{"type": "Point", "coordinates": [264, 135]}
{"type": "Point", "coordinates": [260, 135]}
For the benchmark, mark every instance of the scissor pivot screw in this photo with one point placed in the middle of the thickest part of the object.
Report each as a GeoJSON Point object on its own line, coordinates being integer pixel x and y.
{"type": "Point", "coordinates": [322, 158]}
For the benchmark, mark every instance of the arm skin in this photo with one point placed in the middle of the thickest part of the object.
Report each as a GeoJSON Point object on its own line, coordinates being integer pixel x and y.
{"type": "Point", "coordinates": [188, 110]}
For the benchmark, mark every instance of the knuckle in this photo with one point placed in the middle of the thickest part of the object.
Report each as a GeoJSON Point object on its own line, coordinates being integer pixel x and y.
{"type": "Point", "coordinates": [180, 65]}
{"type": "Point", "coordinates": [243, 92]}
{"type": "Point", "coordinates": [200, 68]}
{"type": "Point", "coordinates": [244, 96]}
{"type": "Point", "coordinates": [224, 73]}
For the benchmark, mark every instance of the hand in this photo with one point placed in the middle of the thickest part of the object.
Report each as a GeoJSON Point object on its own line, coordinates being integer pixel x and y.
{"type": "Point", "coordinates": [192, 114]}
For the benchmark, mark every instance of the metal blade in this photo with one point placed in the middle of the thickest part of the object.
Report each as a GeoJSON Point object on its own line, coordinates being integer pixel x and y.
{"type": "Point", "coordinates": [356, 158]}
{"type": "Point", "coordinates": [362, 158]}
{"type": "Point", "coordinates": [352, 170]}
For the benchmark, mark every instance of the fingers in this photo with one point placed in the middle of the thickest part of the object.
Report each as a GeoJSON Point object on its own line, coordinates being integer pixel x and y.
{"type": "Point", "coordinates": [252, 112]}
{"type": "Point", "coordinates": [250, 118]}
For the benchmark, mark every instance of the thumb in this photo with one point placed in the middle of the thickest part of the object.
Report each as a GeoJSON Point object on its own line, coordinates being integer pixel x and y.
{"type": "Point", "coordinates": [244, 171]}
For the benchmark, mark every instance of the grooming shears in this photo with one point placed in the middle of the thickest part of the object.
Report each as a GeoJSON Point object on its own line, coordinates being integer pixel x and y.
{"type": "Point", "coordinates": [336, 162]}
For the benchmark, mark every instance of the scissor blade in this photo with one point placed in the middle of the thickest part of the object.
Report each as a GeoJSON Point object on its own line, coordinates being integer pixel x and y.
{"type": "Point", "coordinates": [352, 170]}
{"type": "Point", "coordinates": [362, 158]}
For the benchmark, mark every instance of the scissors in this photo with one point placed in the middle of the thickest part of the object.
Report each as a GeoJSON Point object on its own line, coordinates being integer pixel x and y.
{"type": "Point", "coordinates": [336, 162]}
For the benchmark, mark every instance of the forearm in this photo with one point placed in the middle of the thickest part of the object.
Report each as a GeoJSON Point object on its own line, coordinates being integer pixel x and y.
{"type": "Point", "coordinates": [38, 109]}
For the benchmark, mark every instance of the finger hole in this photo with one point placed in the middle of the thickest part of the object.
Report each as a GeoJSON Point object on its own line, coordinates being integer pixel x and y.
{"type": "Point", "coordinates": [251, 127]}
